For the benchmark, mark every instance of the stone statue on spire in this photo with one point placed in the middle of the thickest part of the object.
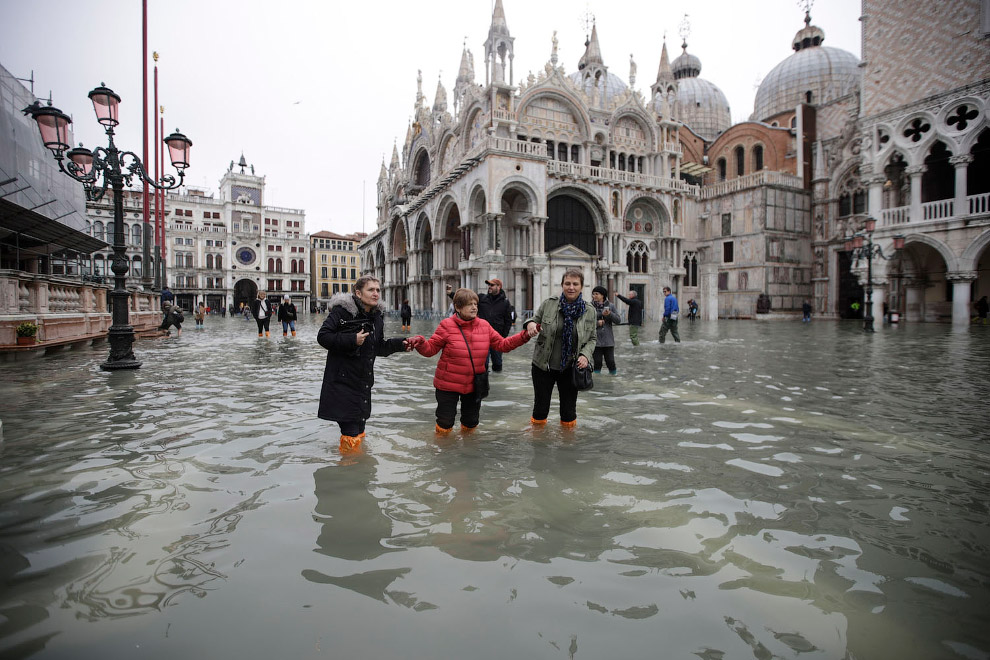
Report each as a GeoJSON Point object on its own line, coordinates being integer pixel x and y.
{"type": "Point", "coordinates": [553, 51]}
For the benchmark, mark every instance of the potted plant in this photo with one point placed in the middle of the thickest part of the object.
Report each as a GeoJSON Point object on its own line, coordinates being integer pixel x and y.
{"type": "Point", "coordinates": [26, 333]}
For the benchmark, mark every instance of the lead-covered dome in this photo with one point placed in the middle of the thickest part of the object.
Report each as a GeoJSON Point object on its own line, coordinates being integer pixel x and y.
{"type": "Point", "coordinates": [700, 104]}
{"type": "Point", "coordinates": [813, 74]}
{"type": "Point", "coordinates": [613, 84]}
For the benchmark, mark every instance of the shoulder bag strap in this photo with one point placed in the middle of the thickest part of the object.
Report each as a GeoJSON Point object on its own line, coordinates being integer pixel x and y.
{"type": "Point", "coordinates": [468, 344]}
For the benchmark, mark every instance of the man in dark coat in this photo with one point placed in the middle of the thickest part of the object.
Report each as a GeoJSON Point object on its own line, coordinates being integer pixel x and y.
{"type": "Point", "coordinates": [634, 315]}
{"type": "Point", "coordinates": [495, 308]}
{"type": "Point", "coordinates": [354, 335]}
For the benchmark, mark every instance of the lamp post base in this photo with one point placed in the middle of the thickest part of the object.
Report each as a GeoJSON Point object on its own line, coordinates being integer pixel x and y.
{"type": "Point", "coordinates": [868, 324]}
{"type": "Point", "coordinates": [121, 356]}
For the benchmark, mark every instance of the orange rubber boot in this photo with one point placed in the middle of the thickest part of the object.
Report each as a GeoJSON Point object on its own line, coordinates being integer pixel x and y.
{"type": "Point", "coordinates": [293, 333]}
{"type": "Point", "coordinates": [467, 429]}
{"type": "Point", "coordinates": [537, 422]}
{"type": "Point", "coordinates": [441, 430]}
{"type": "Point", "coordinates": [268, 334]}
{"type": "Point", "coordinates": [350, 443]}
{"type": "Point", "coordinates": [569, 425]}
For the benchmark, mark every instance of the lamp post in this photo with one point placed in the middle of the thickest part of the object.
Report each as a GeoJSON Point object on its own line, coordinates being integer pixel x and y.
{"type": "Point", "coordinates": [115, 168]}
{"type": "Point", "coordinates": [855, 245]}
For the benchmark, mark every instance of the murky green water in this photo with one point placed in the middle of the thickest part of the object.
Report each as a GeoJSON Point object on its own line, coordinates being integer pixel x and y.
{"type": "Point", "coordinates": [758, 491]}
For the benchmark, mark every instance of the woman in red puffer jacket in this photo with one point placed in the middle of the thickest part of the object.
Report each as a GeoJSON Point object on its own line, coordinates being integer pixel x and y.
{"type": "Point", "coordinates": [454, 378]}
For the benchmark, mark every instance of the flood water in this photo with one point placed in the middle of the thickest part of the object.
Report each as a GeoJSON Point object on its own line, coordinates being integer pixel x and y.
{"type": "Point", "coordinates": [761, 490]}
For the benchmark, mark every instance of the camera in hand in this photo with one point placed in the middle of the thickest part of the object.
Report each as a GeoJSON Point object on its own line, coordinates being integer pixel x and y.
{"type": "Point", "coordinates": [355, 326]}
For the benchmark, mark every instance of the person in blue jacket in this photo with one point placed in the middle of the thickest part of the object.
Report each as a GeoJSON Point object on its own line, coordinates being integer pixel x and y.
{"type": "Point", "coordinates": [670, 313]}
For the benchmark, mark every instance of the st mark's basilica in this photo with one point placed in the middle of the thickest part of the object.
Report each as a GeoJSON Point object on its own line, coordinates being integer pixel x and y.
{"type": "Point", "coordinates": [574, 167]}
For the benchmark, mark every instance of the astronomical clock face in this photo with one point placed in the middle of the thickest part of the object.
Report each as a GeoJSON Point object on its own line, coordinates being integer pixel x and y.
{"type": "Point", "coordinates": [245, 255]}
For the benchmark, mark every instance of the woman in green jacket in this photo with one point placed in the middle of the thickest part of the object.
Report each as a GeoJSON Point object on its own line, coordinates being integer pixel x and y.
{"type": "Point", "coordinates": [566, 329]}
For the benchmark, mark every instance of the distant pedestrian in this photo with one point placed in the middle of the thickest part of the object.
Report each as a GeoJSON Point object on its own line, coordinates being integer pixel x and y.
{"type": "Point", "coordinates": [200, 315]}
{"type": "Point", "coordinates": [495, 308]}
{"type": "Point", "coordinates": [606, 316]}
{"type": "Point", "coordinates": [566, 325]}
{"type": "Point", "coordinates": [287, 315]}
{"type": "Point", "coordinates": [173, 317]}
{"type": "Point", "coordinates": [406, 313]}
{"type": "Point", "coordinates": [982, 307]}
{"type": "Point", "coordinates": [693, 309]}
{"type": "Point", "coordinates": [806, 312]}
{"type": "Point", "coordinates": [635, 315]}
{"type": "Point", "coordinates": [670, 313]}
{"type": "Point", "coordinates": [167, 296]}
{"type": "Point", "coordinates": [262, 310]}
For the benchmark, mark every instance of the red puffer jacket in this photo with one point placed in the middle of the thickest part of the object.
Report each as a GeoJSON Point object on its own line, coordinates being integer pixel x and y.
{"type": "Point", "coordinates": [454, 370]}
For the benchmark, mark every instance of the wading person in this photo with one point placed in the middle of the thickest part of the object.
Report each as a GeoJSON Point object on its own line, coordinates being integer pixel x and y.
{"type": "Point", "coordinates": [464, 340]}
{"type": "Point", "coordinates": [635, 315]}
{"type": "Point", "coordinates": [354, 335]}
{"type": "Point", "coordinates": [173, 316]}
{"type": "Point", "coordinates": [406, 313]}
{"type": "Point", "coordinates": [200, 315]}
{"type": "Point", "coordinates": [262, 311]}
{"type": "Point", "coordinates": [670, 313]}
{"type": "Point", "coordinates": [606, 315]}
{"type": "Point", "coordinates": [566, 328]}
{"type": "Point", "coordinates": [495, 308]}
{"type": "Point", "coordinates": [287, 315]}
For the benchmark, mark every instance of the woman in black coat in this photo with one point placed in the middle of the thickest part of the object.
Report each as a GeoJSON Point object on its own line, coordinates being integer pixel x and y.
{"type": "Point", "coordinates": [354, 335]}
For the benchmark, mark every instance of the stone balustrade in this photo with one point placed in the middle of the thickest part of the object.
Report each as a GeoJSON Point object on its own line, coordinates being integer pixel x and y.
{"type": "Point", "coordinates": [64, 309]}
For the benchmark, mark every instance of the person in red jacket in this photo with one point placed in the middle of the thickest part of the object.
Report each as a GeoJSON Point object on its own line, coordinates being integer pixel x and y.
{"type": "Point", "coordinates": [454, 377]}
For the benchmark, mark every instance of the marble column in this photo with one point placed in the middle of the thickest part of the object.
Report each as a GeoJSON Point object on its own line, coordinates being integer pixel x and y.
{"type": "Point", "coordinates": [961, 163]}
{"type": "Point", "coordinates": [915, 173]}
{"type": "Point", "coordinates": [875, 198]}
{"type": "Point", "coordinates": [962, 290]}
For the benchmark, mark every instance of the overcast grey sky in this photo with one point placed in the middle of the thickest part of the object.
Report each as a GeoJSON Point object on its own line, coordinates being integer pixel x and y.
{"type": "Point", "coordinates": [315, 93]}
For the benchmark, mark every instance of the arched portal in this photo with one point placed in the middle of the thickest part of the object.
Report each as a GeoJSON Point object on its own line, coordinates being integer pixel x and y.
{"type": "Point", "coordinates": [244, 292]}
{"type": "Point", "coordinates": [939, 179]}
{"type": "Point", "coordinates": [570, 222]}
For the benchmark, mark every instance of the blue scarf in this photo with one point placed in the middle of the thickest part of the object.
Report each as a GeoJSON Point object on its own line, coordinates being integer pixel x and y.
{"type": "Point", "coordinates": [572, 311]}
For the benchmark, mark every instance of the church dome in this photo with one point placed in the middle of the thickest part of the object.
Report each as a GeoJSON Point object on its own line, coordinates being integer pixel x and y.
{"type": "Point", "coordinates": [813, 74]}
{"type": "Point", "coordinates": [613, 84]}
{"type": "Point", "coordinates": [700, 104]}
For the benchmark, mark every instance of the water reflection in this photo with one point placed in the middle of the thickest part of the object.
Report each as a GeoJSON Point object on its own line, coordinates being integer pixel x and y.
{"type": "Point", "coordinates": [771, 490]}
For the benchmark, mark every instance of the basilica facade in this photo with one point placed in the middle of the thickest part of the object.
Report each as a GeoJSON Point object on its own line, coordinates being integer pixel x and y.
{"type": "Point", "coordinates": [521, 179]}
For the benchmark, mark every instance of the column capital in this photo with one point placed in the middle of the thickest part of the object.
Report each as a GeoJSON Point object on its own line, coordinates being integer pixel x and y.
{"type": "Point", "coordinates": [875, 180]}
{"type": "Point", "coordinates": [915, 170]}
{"type": "Point", "coordinates": [961, 160]}
{"type": "Point", "coordinates": [961, 276]}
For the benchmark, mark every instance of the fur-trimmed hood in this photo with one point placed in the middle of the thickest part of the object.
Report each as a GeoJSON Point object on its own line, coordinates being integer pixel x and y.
{"type": "Point", "coordinates": [350, 303]}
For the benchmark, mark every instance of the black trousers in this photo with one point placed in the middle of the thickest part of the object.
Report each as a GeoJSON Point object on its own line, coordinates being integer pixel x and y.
{"type": "Point", "coordinates": [263, 324]}
{"type": "Point", "coordinates": [608, 352]}
{"type": "Point", "coordinates": [352, 428]}
{"type": "Point", "coordinates": [543, 382]}
{"type": "Point", "coordinates": [447, 409]}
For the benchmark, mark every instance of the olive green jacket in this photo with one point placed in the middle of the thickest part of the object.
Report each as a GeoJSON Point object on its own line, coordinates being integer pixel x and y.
{"type": "Point", "coordinates": [551, 322]}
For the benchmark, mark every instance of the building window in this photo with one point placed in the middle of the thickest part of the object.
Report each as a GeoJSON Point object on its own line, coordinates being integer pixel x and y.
{"type": "Point", "coordinates": [336, 288]}
{"type": "Point", "coordinates": [333, 273]}
{"type": "Point", "coordinates": [353, 274]}
{"type": "Point", "coordinates": [343, 287]}
{"type": "Point", "coordinates": [758, 157]}
{"type": "Point", "coordinates": [638, 258]}
{"type": "Point", "coordinates": [727, 252]}
{"type": "Point", "coordinates": [323, 258]}
{"type": "Point", "coordinates": [723, 281]}
{"type": "Point", "coordinates": [726, 224]}
{"type": "Point", "coordinates": [740, 161]}
{"type": "Point", "coordinates": [324, 290]}
{"type": "Point", "coordinates": [323, 272]}
{"type": "Point", "coordinates": [721, 169]}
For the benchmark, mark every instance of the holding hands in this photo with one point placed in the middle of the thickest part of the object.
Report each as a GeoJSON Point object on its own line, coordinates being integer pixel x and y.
{"type": "Point", "coordinates": [532, 329]}
{"type": "Point", "coordinates": [414, 342]}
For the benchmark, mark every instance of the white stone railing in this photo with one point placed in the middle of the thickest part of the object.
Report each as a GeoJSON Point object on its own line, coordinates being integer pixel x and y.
{"type": "Point", "coordinates": [561, 168]}
{"type": "Point", "coordinates": [937, 210]}
{"type": "Point", "coordinates": [517, 146]}
{"type": "Point", "coordinates": [761, 178]}
{"type": "Point", "coordinates": [895, 216]}
{"type": "Point", "coordinates": [674, 147]}
{"type": "Point", "coordinates": [978, 203]}
{"type": "Point", "coordinates": [503, 115]}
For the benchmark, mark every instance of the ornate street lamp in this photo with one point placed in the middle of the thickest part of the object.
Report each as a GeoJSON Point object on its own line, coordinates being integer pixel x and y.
{"type": "Point", "coordinates": [855, 245]}
{"type": "Point", "coordinates": [116, 168]}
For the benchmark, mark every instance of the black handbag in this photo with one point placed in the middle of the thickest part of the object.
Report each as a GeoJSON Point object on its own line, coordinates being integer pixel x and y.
{"type": "Point", "coordinates": [581, 377]}
{"type": "Point", "coordinates": [481, 387]}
